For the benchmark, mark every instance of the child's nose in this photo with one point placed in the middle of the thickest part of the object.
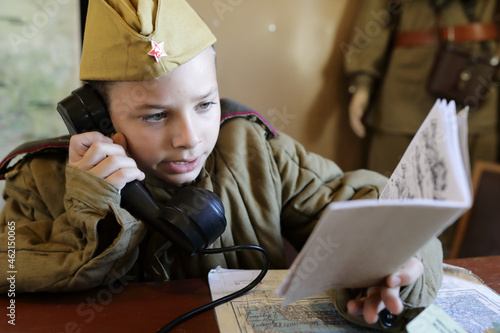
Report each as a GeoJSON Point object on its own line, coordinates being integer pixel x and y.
{"type": "Point", "coordinates": [186, 134]}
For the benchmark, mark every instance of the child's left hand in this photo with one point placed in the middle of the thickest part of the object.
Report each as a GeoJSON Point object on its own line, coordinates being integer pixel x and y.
{"type": "Point", "coordinates": [386, 295]}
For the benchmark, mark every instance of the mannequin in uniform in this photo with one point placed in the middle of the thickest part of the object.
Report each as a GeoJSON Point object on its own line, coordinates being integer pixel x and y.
{"type": "Point", "coordinates": [389, 78]}
{"type": "Point", "coordinates": [388, 63]}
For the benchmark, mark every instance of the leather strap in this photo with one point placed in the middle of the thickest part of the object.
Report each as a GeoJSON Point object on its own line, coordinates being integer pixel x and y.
{"type": "Point", "coordinates": [29, 148]}
{"type": "Point", "coordinates": [472, 32]}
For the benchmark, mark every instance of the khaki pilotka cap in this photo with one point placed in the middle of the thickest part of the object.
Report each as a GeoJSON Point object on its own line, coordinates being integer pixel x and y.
{"type": "Point", "coordinates": [129, 40]}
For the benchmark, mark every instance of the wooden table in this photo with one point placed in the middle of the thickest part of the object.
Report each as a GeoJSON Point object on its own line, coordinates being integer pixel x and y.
{"type": "Point", "coordinates": [487, 268]}
{"type": "Point", "coordinates": [146, 307]}
{"type": "Point", "coordinates": [143, 308]}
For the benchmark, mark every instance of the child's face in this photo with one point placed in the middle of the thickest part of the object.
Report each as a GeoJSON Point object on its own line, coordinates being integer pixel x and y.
{"type": "Point", "coordinates": [171, 123]}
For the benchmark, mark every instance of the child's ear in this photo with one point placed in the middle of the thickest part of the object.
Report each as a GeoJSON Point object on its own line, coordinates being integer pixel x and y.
{"type": "Point", "coordinates": [120, 139]}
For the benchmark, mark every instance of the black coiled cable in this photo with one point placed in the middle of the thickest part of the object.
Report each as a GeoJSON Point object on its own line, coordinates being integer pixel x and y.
{"type": "Point", "coordinates": [229, 297]}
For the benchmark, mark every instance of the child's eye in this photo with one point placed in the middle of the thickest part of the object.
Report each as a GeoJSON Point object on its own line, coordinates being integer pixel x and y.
{"type": "Point", "coordinates": [206, 106]}
{"type": "Point", "coordinates": [155, 117]}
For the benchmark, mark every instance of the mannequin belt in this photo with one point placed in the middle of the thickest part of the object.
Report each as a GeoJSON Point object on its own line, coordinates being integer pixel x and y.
{"type": "Point", "coordinates": [473, 32]}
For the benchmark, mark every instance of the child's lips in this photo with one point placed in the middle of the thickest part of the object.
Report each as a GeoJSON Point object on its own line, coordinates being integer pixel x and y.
{"type": "Point", "coordinates": [182, 162]}
{"type": "Point", "coordinates": [182, 166]}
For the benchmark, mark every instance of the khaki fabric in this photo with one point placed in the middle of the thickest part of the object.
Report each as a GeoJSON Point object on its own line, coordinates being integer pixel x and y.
{"type": "Point", "coordinates": [397, 76]}
{"type": "Point", "coordinates": [72, 234]}
{"type": "Point", "coordinates": [118, 36]}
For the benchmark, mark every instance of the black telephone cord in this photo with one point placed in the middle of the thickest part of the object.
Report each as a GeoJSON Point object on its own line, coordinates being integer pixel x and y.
{"type": "Point", "coordinates": [229, 297]}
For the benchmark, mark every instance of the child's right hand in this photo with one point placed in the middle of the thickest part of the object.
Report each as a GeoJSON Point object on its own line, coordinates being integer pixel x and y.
{"type": "Point", "coordinates": [99, 155]}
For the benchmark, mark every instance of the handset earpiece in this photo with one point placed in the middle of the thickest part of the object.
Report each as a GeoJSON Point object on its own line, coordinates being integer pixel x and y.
{"type": "Point", "coordinates": [84, 111]}
{"type": "Point", "coordinates": [193, 219]}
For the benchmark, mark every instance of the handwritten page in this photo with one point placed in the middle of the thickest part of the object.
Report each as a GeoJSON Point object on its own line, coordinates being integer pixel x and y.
{"type": "Point", "coordinates": [435, 164]}
{"type": "Point", "coordinates": [358, 243]}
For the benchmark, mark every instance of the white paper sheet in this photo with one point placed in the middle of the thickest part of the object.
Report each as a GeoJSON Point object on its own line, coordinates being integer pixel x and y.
{"type": "Point", "coordinates": [363, 242]}
{"type": "Point", "coordinates": [358, 243]}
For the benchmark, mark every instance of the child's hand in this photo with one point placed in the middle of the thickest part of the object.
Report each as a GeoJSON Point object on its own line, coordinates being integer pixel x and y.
{"type": "Point", "coordinates": [99, 155]}
{"type": "Point", "coordinates": [386, 295]}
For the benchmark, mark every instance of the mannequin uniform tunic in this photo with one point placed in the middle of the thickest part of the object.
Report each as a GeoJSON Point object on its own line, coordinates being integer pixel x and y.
{"type": "Point", "coordinates": [397, 75]}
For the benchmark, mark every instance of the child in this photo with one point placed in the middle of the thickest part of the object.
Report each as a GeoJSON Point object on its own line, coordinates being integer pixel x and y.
{"type": "Point", "coordinates": [154, 66]}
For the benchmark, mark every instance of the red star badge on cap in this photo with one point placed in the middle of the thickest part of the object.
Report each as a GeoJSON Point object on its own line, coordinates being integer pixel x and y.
{"type": "Point", "coordinates": [157, 51]}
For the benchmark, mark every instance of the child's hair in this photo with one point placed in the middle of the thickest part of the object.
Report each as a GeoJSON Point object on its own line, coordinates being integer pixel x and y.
{"type": "Point", "coordinates": [102, 87]}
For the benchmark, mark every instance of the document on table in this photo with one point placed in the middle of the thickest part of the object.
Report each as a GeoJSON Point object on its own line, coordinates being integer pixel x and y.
{"type": "Point", "coordinates": [463, 297]}
{"type": "Point", "coordinates": [468, 301]}
{"type": "Point", "coordinates": [260, 310]}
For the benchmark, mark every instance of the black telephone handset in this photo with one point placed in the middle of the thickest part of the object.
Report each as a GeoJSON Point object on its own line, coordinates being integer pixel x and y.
{"type": "Point", "coordinates": [193, 219]}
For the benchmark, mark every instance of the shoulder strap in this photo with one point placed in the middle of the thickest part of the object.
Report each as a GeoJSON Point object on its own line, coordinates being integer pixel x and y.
{"type": "Point", "coordinates": [438, 4]}
{"type": "Point", "coordinates": [231, 109]}
{"type": "Point", "coordinates": [30, 148]}
{"type": "Point", "coordinates": [469, 7]}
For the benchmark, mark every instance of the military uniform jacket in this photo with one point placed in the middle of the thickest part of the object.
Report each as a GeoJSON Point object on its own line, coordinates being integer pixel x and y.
{"type": "Point", "coordinates": [398, 75]}
{"type": "Point", "coordinates": [72, 234]}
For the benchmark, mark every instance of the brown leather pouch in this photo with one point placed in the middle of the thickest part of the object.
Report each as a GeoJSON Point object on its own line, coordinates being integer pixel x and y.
{"type": "Point", "coordinates": [460, 75]}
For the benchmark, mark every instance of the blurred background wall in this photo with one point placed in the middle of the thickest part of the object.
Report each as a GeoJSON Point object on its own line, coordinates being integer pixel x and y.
{"type": "Point", "coordinates": [39, 55]}
{"type": "Point", "coordinates": [283, 58]}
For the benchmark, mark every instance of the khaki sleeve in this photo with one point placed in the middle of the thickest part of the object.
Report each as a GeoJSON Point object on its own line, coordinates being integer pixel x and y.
{"type": "Point", "coordinates": [415, 297]}
{"type": "Point", "coordinates": [67, 229]}
{"type": "Point", "coordinates": [367, 51]}
{"type": "Point", "coordinates": [310, 182]}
